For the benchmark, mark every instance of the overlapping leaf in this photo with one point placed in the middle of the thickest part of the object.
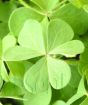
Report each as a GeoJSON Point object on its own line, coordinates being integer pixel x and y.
{"type": "Point", "coordinates": [6, 43]}
{"type": "Point", "coordinates": [77, 18]}
{"type": "Point", "coordinates": [58, 40]}
{"type": "Point", "coordinates": [18, 18]}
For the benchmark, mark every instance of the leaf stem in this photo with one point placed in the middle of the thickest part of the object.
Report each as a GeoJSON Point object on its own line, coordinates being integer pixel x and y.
{"type": "Point", "coordinates": [24, 3]}
{"type": "Point", "coordinates": [60, 4]}
{"type": "Point", "coordinates": [74, 98]}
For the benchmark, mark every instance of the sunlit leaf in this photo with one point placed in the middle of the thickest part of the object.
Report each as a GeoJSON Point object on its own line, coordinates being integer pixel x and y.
{"type": "Point", "coordinates": [69, 49]}
{"type": "Point", "coordinates": [31, 36]}
{"type": "Point", "coordinates": [36, 78]}
{"type": "Point", "coordinates": [19, 16]}
{"type": "Point", "coordinates": [20, 53]}
{"type": "Point", "coordinates": [38, 99]}
{"type": "Point", "coordinates": [59, 32]}
{"type": "Point", "coordinates": [59, 73]}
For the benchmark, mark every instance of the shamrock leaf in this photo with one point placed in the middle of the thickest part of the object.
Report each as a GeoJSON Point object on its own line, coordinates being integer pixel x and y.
{"type": "Point", "coordinates": [38, 77]}
{"type": "Point", "coordinates": [76, 18]}
{"type": "Point", "coordinates": [24, 13]}
{"type": "Point", "coordinates": [39, 98]}
{"type": "Point", "coordinates": [6, 43]}
{"type": "Point", "coordinates": [59, 73]}
{"type": "Point", "coordinates": [47, 69]}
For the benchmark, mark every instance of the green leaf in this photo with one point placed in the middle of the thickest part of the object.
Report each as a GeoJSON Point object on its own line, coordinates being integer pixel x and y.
{"type": "Point", "coordinates": [83, 64]}
{"type": "Point", "coordinates": [20, 53]}
{"type": "Point", "coordinates": [60, 103]}
{"type": "Point", "coordinates": [81, 88]}
{"type": "Point", "coordinates": [44, 24]}
{"type": "Point", "coordinates": [19, 16]}
{"type": "Point", "coordinates": [3, 72]}
{"type": "Point", "coordinates": [42, 98]}
{"type": "Point", "coordinates": [59, 32]}
{"type": "Point", "coordinates": [36, 78]}
{"type": "Point", "coordinates": [85, 102]}
{"type": "Point", "coordinates": [46, 5]}
{"type": "Point", "coordinates": [8, 42]}
{"type": "Point", "coordinates": [80, 4]}
{"type": "Point", "coordinates": [1, 82]}
{"type": "Point", "coordinates": [77, 18]}
{"type": "Point", "coordinates": [33, 38]}
{"type": "Point", "coordinates": [10, 90]}
{"type": "Point", "coordinates": [69, 49]}
{"type": "Point", "coordinates": [3, 29]}
{"type": "Point", "coordinates": [77, 3]}
{"type": "Point", "coordinates": [17, 70]}
{"type": "Point", "coordinates": [59, 73]}
{"type": "Point", "coordinates": [0, 48]}
{"type": "Point", "coordinates": [80, 92]}
{"type": "Point", "coordinates": [5, 10]}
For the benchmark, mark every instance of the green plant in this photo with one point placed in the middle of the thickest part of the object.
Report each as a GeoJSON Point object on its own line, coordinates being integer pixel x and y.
{"type": "Point", "coordinates": [43, 52]}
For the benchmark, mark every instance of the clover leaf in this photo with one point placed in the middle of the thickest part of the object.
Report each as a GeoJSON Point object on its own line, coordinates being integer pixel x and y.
{"type": "Point", "coordinates": [38, 99]}
{"type": "Point", "coordinates": [6, 43]}
{"type": "Point", "coordinates": [48, 69]}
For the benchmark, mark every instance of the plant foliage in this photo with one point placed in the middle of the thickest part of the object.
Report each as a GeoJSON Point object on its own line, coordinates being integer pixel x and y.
{"type": "Point", "coordinates": [43, 52]}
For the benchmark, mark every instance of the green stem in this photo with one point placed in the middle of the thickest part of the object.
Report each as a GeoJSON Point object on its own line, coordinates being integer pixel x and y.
{"type": "Point", "coordinates": [24, 3]}
{"type": "Point", "coordinates": [74, 98]}
{"type": "Point", "coordinates": [60, 4]}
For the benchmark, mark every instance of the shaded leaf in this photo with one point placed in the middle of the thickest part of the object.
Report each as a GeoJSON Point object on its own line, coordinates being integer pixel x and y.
{"type": "Point", "coordinates": [10, 90]}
